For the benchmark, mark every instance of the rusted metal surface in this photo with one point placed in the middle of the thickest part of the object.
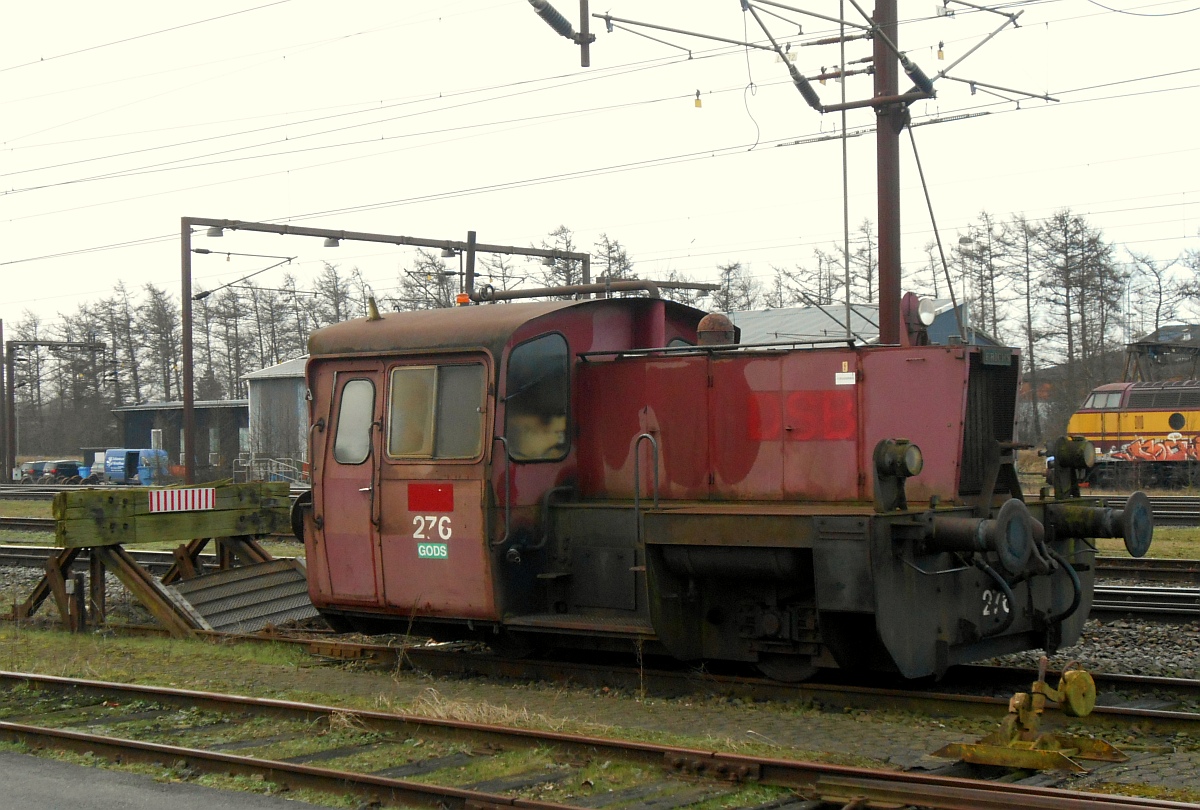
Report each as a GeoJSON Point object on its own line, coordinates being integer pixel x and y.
{"type": "Point", "coordinates": [831, 580]}
{"type": "Point", "coordinates": [774, 425]}
{"type": "Point", "coordinates": [488, 327]}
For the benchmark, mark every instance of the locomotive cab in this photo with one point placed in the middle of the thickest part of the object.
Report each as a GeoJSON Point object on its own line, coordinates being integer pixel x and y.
{"type": "Point", "coordinates": [593, 474]}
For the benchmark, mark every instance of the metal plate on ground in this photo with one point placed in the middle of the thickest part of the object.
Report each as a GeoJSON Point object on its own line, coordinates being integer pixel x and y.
{"type": "Point", "coordinates": [250, 597]}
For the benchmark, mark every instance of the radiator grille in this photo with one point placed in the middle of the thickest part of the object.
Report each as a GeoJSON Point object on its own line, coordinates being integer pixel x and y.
{"type": "Point", "coordinates": [991, 408]}
{"type": "Point", "coordinates": [1165, 397]}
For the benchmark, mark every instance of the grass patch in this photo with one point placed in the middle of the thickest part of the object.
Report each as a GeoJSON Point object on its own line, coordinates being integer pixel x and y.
{"type": "Point", "coordinates": [1170, 542]}
{"type": "Point", "coordinates": [163, 661]}
{"type": "Point", "coordinates": [25, 508]}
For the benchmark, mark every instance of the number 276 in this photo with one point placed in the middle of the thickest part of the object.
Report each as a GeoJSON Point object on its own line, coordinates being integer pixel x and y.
{"type": "Point", "coordinates": [424, 527]}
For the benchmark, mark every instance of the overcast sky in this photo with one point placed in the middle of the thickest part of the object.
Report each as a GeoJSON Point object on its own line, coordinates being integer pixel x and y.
{"type": "Point", "coordinates": [432, 119]}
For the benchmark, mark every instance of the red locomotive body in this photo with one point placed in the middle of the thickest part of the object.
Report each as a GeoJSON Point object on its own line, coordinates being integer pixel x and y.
{"type": "Point", "coordinates": [581, 473]}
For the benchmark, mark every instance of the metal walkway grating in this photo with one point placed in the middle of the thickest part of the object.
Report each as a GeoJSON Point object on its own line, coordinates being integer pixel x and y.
{"type": "Point", "coordinates": [248, 598]}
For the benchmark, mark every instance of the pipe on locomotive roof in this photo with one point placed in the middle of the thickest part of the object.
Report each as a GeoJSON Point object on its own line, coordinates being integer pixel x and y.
{"type": "Point", "coordinates": [488, 293]}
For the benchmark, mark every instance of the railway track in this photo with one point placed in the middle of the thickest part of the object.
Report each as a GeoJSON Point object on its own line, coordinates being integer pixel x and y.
{"type": "Point", "coordinates": [1152, 604]}
{"type": "Point", "coordinates": [409, 760]}
{"type": "Point", "coordinates": [156, 562]}
{"type": "Point", "coordinates": [1169, 510]}
{"type": "Point", "coordinates": [1149, 569]}
{"type": "Point", "coordinates": [1154, 704]}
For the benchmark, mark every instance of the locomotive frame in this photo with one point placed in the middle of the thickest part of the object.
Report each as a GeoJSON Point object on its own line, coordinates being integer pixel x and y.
{"type": "Point", "coordinates": [587, 474]}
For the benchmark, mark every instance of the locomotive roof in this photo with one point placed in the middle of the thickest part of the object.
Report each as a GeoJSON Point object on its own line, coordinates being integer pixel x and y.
{"type": "Point", "coordinates": [487, 325]}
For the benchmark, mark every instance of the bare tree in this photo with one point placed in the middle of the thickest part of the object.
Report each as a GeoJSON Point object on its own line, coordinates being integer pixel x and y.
{"type": "Point", "coordinates": [333, 296]}
{"type": "Point", "coordinates": [780, 292]}
{"type": "Point", "coordinates": [982, 254]}
{"type": "Point", "coordinates": [498, 271]}
{"type": "Point", "coordinates": [1081, 287]}
{"type": "Point", "coordinates": [864, 262]}
{"type": "Point", "coordinates": [427, 285]}
{"type": "Point", "coordinates": [123, 313]}
{"type": "Point", "coordinates": [684, 295]}
{"type": "Point", "coordinates": [1154, 293]}
{"type": "Point", "coordinates": [159, 329]}
{"type": "Point", "coordinates": [229, 318]}
{"type": "Point", "coordinates": [561, 272]}
{"type": "Point", "coordinates": [739, 290]}
{"type": "Point", "coordinates": [611, 261]}
{"type": "Point", "coordinates": [1021, 238]}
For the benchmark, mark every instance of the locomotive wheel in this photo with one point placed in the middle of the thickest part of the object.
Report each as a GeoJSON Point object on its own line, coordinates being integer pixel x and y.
{"type": "Point", "coordinates": [786, 668]}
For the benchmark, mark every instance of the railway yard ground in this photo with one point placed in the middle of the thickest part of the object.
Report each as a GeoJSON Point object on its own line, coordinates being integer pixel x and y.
{"type": "Point", "coordinates": [1164, 761]}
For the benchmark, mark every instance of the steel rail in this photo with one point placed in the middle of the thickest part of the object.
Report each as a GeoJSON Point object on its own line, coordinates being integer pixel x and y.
{"type": "Point", "coordinates": [825, 781]}
{"type": "Point", "coordinates": [156, 562]}
{"type": "Point", "coordinates": [992, 676]}
{"type": "Point", "coordinates": [837, 692]}
{"type": "Point", "coordinates": [376, 789]}
{"type": "Point", "coordinates": [1149, 568]}
{"type": "Point", "coordinates": [1156, 604]}
{"type": "Point", "coordinates": [27, 524]}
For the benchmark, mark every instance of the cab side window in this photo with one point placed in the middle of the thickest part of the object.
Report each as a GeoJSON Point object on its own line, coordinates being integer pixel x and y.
{"type": "Point", "coordinates": [436, 411]}
{"type": "Point", "coordinates": [537, 399]}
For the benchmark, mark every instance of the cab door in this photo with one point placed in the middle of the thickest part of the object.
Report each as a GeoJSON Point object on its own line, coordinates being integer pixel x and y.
{"type": "Point", "coordinates": [434, 553]}
{"type": "Point", "coordinates": [1109, 420]}
{"type": "Point", "coordinates": [345, 495]}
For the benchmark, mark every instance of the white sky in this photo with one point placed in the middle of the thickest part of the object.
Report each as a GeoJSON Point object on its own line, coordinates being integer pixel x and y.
{"type": "Point", "coordinates": [432, 119]}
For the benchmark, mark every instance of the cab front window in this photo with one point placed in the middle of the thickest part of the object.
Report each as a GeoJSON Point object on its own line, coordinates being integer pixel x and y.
{"type": "Point", "coordinates": [436, 411]}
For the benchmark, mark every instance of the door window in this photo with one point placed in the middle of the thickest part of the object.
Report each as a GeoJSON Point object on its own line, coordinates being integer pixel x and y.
{"type": "Point", "coordinates": [436, 411]}
{"type": "Point", "coordinates": [538, 395]}
{"type": "Point", "coordinates": [352, 443]}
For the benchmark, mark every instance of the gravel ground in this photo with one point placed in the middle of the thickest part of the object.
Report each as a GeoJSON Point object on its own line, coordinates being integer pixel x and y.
{"type": "Point", "coordinates": [17, 583]}
{"type": "Point", "coordinates": [1127, 647]}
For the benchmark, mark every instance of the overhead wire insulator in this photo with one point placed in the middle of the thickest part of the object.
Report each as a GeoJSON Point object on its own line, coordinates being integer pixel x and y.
{"type": "Point", "coordinates": [805, 88]}
{"type": "Point", "coordinates": [918, 77]}
{"type": "Point", "coordinates": [553, 18]}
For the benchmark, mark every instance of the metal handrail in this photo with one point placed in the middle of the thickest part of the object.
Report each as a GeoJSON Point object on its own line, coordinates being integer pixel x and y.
{"type": "Point", "coordinates": [637, 482]}
{"type": "Point", "coordinates": [507, 492]}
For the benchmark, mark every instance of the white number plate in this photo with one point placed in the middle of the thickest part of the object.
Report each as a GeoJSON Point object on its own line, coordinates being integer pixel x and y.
{"type": "Point", "coordinates": [995, 603]}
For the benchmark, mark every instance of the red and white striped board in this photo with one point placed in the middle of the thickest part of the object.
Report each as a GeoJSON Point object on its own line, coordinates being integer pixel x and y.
{"type": "Point", "coordinates": [193, 499]}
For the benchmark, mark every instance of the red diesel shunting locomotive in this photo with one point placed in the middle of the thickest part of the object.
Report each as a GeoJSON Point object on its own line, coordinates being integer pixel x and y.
{"type": "Point", "coordinates": [581, 473]}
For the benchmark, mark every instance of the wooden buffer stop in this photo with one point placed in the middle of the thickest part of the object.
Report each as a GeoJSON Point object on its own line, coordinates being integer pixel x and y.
{"type": "Point", "coordinates": [104, 521]}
